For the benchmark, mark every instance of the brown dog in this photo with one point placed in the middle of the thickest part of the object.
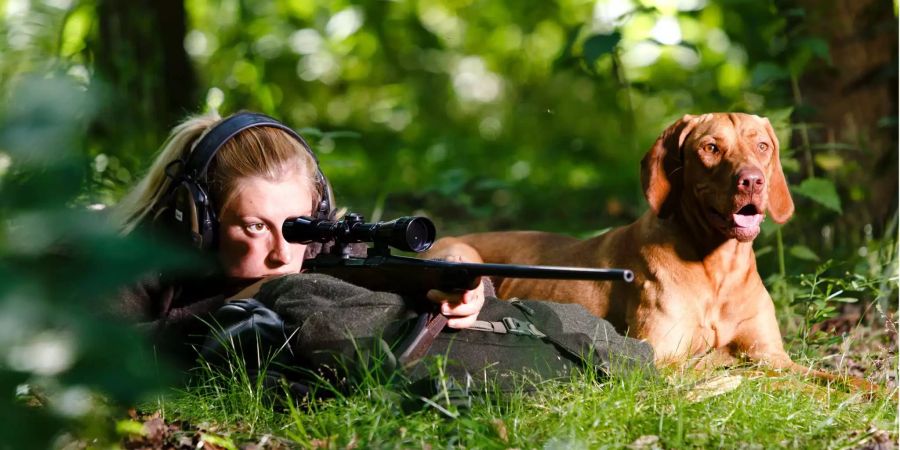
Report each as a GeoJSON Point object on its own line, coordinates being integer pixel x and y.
{"type": "Point", "coordinates": [709, 181]}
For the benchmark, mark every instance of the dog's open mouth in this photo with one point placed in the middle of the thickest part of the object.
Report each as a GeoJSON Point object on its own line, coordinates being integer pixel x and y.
{"type": "Point", "coordinates": [743, 224]}
{"type": "Point", "coordinates": [747, 217]}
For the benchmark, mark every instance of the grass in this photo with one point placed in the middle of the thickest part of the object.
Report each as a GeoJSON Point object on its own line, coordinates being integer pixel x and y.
{"type": "Point", "coordinates": [727, 408]}
{"type": "Point", "coordinates": [738, 407]}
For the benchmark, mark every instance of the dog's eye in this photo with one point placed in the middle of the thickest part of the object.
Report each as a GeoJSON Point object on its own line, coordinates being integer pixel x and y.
{"type": "Point", "coordinates": [762, 146]}
{"type": "Point", "coordinates": [712, 148]}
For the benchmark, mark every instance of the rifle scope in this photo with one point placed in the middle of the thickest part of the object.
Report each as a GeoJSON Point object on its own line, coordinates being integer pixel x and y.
{"type": "Point", "coordinates": [410, 234]}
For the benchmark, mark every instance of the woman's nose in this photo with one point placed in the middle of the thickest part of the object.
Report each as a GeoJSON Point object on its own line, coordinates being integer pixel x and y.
{"type": "Point", "coordinates": [281, 252]}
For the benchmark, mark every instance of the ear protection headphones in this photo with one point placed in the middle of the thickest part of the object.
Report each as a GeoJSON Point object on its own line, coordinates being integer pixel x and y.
{"type": "Point", "coordinates": [187, 205]}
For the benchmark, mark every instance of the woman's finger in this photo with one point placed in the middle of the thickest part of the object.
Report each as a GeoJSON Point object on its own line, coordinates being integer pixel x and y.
{"type": "Point", "coordinates": [461, 322]}
{"type": "Point", "coordinates": [439, 296]}
{"type": "Point", "coordinates": [461, 308]}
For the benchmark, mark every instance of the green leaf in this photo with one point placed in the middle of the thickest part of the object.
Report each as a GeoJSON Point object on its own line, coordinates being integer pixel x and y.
{"type": "Point", "coordinates": [220, 441]}
{"type": "Point", "coordinates": [767, 72]}
{"type": "Point", "coordinates": [343, 134]}
{"type": "Point", "coordinates": [790, 165]}
{"type": "Point", "coordinates": [768, 227]}
{"type": "Point", "coordinates": [565, 58]}
{"type": "Point", "coordinates": [780, 116]}
{"type": "Point", "coordinates": [818, 47]}
{"type": "Point", "coordinates": [887, 122]}
{"type": "Point", "coordinates": [75, 30]}
{"type": "Point", "coordinates": [794, 12]}
{"type": "Point", "coordinates": [599, 45]}
{"type": "Point", "coordinates": [821, 191]}
{"type": "Point", "coordinates": [130, 427]}
{"type": "Point", "coordinates": [829, 162]}
{"type": "Point", "coordinates": [309, 131]}
{"type": "Point", "coordinates": [803, 252]}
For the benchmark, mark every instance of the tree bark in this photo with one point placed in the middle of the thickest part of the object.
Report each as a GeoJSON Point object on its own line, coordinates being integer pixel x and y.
{"type": "Point", "coordinates": [143, 69]}
{"type": "Point", "coordinates": [855, 101]}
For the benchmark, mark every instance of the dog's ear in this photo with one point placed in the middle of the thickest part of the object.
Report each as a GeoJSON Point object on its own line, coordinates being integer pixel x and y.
{"type": "Point", "coordinates": [661, 168]}
{"type": "Point", "coordinates": [781, 205]}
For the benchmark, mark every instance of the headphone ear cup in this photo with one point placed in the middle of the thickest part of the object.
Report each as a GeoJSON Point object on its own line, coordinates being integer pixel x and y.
{"type": "Point", "coordinates": [325, 210]}
{"type": "Point", "coordinates": [192, 214]}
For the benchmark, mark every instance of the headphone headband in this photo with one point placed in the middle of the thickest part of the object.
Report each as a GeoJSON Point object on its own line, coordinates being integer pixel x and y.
{"type": "Point", "coordinates": [188, 199]}
{"type": "Point", "coordinates": [200, 158]}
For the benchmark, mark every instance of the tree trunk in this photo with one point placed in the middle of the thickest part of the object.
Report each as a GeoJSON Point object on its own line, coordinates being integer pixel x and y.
{"type": "Point", "coordinates": [855, 101]}
{"type": "Point", "coordinates": [144, 72]}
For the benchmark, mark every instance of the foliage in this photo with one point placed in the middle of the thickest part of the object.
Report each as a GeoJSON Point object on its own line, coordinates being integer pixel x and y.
{"type": "Point", "coordinates": [57, 265]}
{"type": "Point", "coordinates": [819, 296]}
{"type": "Point", "coordinates": [481, 114]}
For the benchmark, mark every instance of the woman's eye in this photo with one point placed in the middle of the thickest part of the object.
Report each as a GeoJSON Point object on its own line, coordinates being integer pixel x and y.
{"type": "Point", "coordinates": [712, 148]}
{"type": "Point", "coordinates": [256, 227]}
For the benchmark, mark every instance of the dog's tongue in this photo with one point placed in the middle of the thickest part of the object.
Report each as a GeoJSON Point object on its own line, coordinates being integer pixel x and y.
{"type": "Point", "coordinates": [747, 220]}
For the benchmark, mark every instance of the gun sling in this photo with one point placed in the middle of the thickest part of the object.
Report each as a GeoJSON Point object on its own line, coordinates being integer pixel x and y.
{"type": "Point", "coordinates": [422, 336]}
{"type": "Point", "coordinates": [429, 325]}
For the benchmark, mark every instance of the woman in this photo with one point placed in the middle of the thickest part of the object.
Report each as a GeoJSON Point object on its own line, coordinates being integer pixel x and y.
{"type": "Point", "coordinates": [229, 184]}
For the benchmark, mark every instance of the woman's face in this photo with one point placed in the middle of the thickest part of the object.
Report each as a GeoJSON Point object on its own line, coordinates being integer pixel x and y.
{"type": "Point", "coordinates": [250, 241]}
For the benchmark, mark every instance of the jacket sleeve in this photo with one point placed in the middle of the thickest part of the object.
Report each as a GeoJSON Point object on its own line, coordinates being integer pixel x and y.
{"type": "Point", "coordinates": [174, 321]}
{"type": "Point", "coordinates": [323, 307]}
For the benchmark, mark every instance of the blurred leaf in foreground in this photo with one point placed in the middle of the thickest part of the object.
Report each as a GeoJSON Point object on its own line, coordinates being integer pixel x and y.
{"type": "Point", "coordinates": [58, 262]}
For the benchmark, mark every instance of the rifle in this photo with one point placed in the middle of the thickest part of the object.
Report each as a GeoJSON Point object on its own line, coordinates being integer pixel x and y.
{"type": "Point", "coordinates": [382, 271]}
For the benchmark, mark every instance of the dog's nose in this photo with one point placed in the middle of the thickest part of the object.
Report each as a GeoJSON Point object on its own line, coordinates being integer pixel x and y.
{"type": "Point", "coordinates": [750, 180]}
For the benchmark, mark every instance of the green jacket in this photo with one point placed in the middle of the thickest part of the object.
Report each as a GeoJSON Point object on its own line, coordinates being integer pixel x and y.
{"type": "Point", "coordinates": [330, 323]}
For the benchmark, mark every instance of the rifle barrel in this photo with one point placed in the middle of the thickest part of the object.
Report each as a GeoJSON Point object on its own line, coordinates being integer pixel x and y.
{"type": "Point", "coordinates": [553, 272]}
{"type": "Point", "coordinates": [412, 276]}
{"type": "Point", "coordinates": [521, 270]}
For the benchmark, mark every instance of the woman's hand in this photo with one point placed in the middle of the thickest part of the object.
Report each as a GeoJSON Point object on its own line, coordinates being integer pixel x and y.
{"type": "Point", "coordinates": [461, 308]}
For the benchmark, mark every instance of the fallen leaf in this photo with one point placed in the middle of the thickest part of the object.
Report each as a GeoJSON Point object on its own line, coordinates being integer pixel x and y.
{"type": "Point", "coordinates": [322, 443]}
{"type": "Point", "coordinates": [713, 387]}
{"type": "Point", "coordinates": [500, 427]}
{"type": "Point", "coordinates": [645, 442]}
{"type": "Point", "coordinates": [155, 430]}
{"type": "Point", "coordinates": [876, 440]}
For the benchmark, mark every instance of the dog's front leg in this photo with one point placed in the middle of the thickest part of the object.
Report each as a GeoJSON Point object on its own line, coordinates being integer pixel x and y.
{"type": "Point", "coordinates": [760, 340]}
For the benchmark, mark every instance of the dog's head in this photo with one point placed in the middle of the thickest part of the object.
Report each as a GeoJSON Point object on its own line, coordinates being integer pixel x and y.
{"type": "Point", "coordinates": [721, 170]}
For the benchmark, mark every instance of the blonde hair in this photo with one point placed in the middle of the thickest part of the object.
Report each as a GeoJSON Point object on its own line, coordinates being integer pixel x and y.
{"type": "Point", "coordinates": [265, 152]}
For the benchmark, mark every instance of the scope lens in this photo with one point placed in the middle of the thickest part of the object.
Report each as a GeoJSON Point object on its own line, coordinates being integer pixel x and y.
{"type": "Point", "coordinates": [420, 234]}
